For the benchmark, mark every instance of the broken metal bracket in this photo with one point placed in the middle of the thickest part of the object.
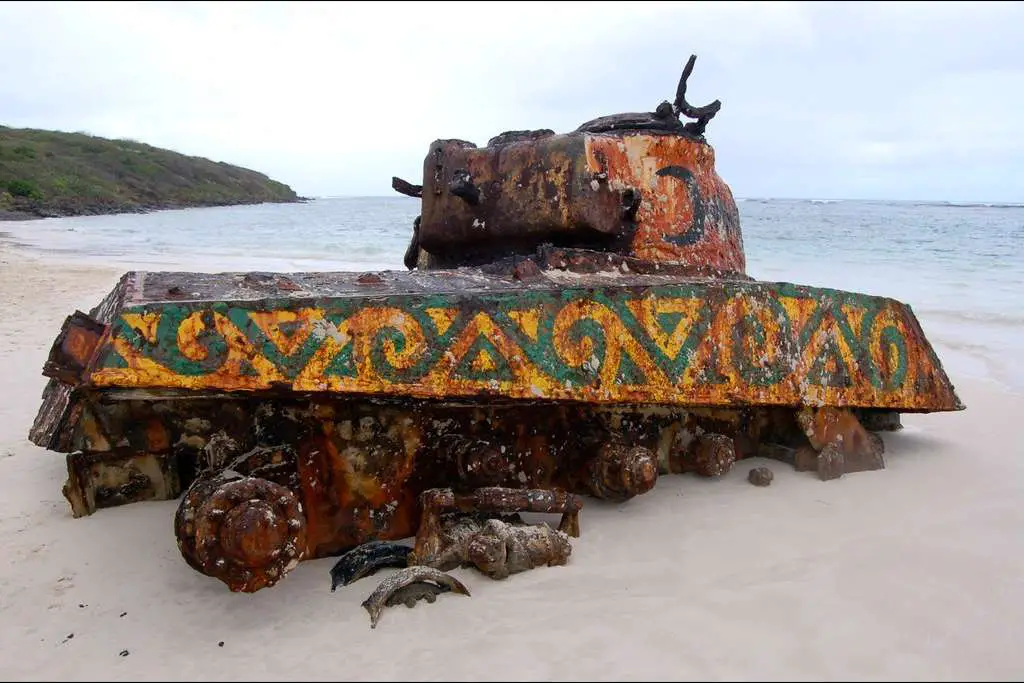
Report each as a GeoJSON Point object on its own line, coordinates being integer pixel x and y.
{"type": "Point", "coordinates": [73, 348]}
{"type": "Point", "coordinates": [681, 106]}
{"type": "Point", "coordinates": [494, 500]}
{"type": "Point", "coordinates": [406, 188]}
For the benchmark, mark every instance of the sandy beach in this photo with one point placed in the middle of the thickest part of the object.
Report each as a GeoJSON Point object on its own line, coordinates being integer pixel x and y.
{"type": "Point", "coordinates": [915, 572]}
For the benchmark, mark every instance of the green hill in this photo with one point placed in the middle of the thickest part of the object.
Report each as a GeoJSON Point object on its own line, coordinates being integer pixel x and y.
{"type": "Point", "coordinates": [48, 173]}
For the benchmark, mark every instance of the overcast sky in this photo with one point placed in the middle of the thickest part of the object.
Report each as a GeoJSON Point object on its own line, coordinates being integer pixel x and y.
{"type": "Point", "coordinates": [921, 100]}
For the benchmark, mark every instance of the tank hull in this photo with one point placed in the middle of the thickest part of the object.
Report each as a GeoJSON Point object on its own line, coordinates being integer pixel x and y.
{"type": "Point", "coordinates": [607, 338]}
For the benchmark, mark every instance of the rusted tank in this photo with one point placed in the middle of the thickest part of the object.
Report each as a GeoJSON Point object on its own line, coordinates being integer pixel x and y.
{"type": "Point", "coordinates": [575, 317]}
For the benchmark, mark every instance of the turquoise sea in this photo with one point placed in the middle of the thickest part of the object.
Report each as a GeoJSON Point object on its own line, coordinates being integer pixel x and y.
{"type": "Point", "coordinates": [959, 266]}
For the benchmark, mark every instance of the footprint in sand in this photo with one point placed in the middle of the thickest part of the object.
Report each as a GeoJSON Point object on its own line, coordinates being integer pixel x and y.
{"type": "Point", "coordinates": [64, 584]}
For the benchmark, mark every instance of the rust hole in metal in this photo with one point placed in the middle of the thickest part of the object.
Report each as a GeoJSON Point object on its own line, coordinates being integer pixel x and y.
{"type": "Point", "coordinates": [370, 279]}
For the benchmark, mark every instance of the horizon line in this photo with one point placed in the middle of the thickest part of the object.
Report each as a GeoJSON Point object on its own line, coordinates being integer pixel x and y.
{"type": "Point", "coordinates": [953, 202]}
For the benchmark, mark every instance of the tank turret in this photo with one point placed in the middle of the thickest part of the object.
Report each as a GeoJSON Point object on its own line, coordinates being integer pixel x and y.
{"type": "Point", "coordinates": [636, 192]}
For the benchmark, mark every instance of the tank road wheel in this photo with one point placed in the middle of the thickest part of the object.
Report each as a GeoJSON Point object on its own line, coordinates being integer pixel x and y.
{"type": "Point", "coordinates": [248, 532]}
{"type": "Point", "coordinates": [714, 455]}
{"type": "Point", "coordinates": [619, 472]}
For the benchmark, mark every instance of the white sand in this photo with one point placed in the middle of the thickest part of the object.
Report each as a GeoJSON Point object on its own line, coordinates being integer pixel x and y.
{"type": "Point", "coordinates": [914, 572]}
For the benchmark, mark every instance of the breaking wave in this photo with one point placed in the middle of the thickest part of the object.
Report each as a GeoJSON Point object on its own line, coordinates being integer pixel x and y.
{"type": "Point", "coordinates": [1009, 319]}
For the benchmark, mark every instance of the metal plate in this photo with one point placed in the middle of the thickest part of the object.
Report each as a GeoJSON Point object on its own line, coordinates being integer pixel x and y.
{"type": "Point", "coordinates": [592, 338]}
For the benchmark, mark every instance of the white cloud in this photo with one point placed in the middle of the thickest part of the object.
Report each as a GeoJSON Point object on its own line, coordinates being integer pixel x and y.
{"type": "Point", "coordinates": [334, 98]}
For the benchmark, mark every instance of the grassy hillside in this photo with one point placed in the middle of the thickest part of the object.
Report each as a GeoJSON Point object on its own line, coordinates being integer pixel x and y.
{"type": "Point", "coordinates": [48, 173]}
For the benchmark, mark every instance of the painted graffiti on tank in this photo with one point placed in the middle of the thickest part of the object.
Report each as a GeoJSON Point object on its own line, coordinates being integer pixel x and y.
{"type": "Point", "coordinates": [695, 231]}
{"type": "Point", "coordinates": [716, 344]}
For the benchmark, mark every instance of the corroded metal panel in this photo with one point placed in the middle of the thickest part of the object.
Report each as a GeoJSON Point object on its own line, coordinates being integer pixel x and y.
{"type": "Point", "coordinates": [526, 192]}
{"type": "Point", "coordinates": [686, 212]}
{"type": "Point", "coordinates": [98, 480]}
{"type": "Point", "coordinates": [710, 343]}
{"type": "Point", "coordinates": [59, 412]}
{"type": "Point", "coordinates": [73, 349]}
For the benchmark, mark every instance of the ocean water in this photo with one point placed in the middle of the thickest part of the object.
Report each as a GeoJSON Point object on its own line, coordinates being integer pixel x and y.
{"type": "Point", "coordinates": [959, 266]}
